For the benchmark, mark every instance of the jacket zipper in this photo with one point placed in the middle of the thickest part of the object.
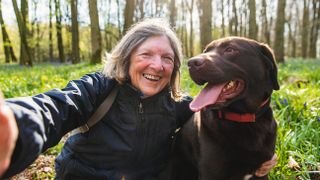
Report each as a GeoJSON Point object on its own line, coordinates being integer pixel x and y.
{"type": "Point", "coordinates": [140, 108]}
{"type": "Point", "coordinates": [141, 113]}
{"type": "Point", "coordinates": [141, 130]}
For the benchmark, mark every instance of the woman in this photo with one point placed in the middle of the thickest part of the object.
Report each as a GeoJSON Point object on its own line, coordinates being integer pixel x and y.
{"type": "Point", "coordinates": [132, 141]}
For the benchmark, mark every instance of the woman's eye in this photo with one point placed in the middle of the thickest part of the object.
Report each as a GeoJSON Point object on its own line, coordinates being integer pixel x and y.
{"type": "Point", "coordinates": [168, 59]}
{"type": "Point", "coordinates": [145, 54]}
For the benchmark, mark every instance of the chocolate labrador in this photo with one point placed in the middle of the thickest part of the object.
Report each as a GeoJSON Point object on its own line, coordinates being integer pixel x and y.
{"type": "Point", "coordinates": [233, 130]}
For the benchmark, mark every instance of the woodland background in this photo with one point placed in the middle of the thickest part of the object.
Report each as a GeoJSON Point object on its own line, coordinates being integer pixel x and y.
{"type": "Point", "coordinates": [46, 43]}
{"type": "Point", "coordinates": [61, 31]}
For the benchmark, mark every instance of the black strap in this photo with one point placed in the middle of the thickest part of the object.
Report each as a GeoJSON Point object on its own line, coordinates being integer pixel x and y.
{"type": "Point", "coordinates": [99, 113]}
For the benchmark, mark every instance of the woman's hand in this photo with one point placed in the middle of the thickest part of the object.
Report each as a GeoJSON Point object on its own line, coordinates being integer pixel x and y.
{"type": "Point", "coordinates": [8, 136]}
{"type": "Point", "coordinates": [267, 166]}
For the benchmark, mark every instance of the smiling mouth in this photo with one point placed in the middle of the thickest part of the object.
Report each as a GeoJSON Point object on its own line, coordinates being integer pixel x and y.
{"type": "Point", "coordinates": [151, 77]}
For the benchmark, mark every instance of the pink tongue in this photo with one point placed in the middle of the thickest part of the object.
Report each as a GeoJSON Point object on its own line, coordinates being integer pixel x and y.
{"type": "Point", "coordinates": [207, 96]}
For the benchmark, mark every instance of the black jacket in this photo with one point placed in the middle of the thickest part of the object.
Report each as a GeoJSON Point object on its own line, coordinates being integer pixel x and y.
{"type": "Point", "coordinates": [131, 141]}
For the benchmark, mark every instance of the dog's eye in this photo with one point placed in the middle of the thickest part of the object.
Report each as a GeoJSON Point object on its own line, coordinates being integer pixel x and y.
{"type": "Point", "coordinates": [229, 50]}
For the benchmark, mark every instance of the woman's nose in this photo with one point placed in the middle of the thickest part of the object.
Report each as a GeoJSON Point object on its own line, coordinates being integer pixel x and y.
{"type": "Point", "coordinates": [157, 63]}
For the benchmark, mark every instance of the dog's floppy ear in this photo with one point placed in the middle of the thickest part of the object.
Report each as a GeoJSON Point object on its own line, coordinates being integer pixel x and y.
{"type": "Point", "coordinates": [271, 63]}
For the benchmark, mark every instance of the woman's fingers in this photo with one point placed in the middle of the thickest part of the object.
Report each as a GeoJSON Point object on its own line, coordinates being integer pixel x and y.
{"type": "Point", "coordinates": [8, 137]}
{"type": "Point", "coordinates": [267, 166]}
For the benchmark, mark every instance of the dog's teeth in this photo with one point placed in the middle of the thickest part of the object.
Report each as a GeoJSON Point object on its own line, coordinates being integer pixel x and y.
{"type": "Point", "coordinates": [231, 83]}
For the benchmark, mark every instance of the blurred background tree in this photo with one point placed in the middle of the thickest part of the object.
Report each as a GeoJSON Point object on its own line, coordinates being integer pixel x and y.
{"type": "Point", "coordinates": [73, 31]}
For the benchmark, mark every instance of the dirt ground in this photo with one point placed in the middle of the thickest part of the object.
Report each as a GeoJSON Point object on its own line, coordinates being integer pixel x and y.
{"type": "Point", "coordinates": [42, 168]}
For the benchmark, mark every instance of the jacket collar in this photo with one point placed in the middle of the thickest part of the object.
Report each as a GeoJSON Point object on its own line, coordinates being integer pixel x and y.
{"type": "Point", "coordinates": [131, 90]}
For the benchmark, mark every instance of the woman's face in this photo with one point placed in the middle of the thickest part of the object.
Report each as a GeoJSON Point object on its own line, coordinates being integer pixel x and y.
{"type": "Point", "coordinates": [151, 65]}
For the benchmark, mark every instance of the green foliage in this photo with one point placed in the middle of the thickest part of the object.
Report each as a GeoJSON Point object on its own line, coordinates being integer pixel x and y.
{"type": "Point", "coordinates": [296, 107]}
{"type": "Point", "coordinates": [18, 80]}
{"type": "Point", "coordinates": [297, 111]}
{"type": "Point", "coordinates": [187, 84]}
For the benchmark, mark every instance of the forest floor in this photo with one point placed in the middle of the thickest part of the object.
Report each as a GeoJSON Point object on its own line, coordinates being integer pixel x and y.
{"type": "Point", "coordinates": [42, 168]}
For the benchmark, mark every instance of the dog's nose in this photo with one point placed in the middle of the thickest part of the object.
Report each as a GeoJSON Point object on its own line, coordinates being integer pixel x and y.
{"type": "Point", "coordinates": [195, 61]}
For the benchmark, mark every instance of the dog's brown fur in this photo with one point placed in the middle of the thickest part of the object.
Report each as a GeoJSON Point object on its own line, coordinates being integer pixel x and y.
{"type": "Point", "coordinates": [212, 148]}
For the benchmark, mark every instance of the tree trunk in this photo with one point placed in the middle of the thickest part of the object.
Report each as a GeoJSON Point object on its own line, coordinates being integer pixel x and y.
{"type": "Point", "coordinates": [315, 25]}
{"type": "Point", "coordinates": [305, 29]}
{"type": "Point", "coordinates": [205, 15]}
{"type": "Point", "coordinates": [59, 31]}
{"type": "Point", "coordinates": [158, 7]}
{"type": "Point", "coordinates": [141, 8]}
{"type": "Point", "coordinates": [108, 37]}
{"type": "Point", "coordinates": [235, 18]}
{"type": "Point", "coordinates": [23, 9]}
{"type": "Point", "coordinates": [173, 13]}
{"type": "Point", "coordinates": [182, 30]}
{"type": "Point", "coordinates": [191, 43]}
{"type": "Point", "coordinates": [242, 19]}
{"type": "Point", "coordinates": [265, 32]}
{"type": "Point", "coordinates": [222, 20]}
{"type": "Point", "coordinates": [96, 45]}
{"type": "Point", "coordinates": [50, 32]}
{"type": "Point", "coordinates": [35, 25]}
{"type": "Point", "coordinates": [294, 42]}
{"type": "Point", "coordinates": [24, 32]}
{"type": "Point", "coordinates": [230, 24]}
{"type": "Point", "coordinates": [291, 43]}
{"type": "Point", "coordinates": [118, 19]}
{"type": "Point", "coordinates": [27, 26]}
{"type": "Point", "coordinates": [8, 50]}
{"type": "Point", "coordinates": [75, 32]}
{"type": "Point", "coordinates": [279, 32]}
{"type": "Point", "coordinates": [128, 14]}
{"type": "Point", "coordinates": [252, 20]}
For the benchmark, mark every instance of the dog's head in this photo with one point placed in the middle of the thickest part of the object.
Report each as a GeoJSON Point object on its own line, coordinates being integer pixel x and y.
{"type": "Point", "coordinates": [237, 71]}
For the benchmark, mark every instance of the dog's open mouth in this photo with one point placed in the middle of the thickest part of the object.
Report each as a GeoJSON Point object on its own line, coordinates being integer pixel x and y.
{"type": "Point", "coordinates": [212, 94]}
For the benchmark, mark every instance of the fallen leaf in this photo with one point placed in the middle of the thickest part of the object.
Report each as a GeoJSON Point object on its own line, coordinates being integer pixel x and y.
{"type": "Point", "coordinates": [293, 163]}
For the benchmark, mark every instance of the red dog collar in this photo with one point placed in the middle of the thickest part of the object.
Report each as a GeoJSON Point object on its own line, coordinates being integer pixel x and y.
{"type": "Point", "coordinates": [242, 118]}
{"type": "Point", "coordinates": [236, 117]}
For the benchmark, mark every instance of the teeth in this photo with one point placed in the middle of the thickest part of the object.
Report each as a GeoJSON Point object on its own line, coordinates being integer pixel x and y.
{"type": "Point", "coordinates": [151, 77]}
{"type": "Point", "coordinates": [229, 86]}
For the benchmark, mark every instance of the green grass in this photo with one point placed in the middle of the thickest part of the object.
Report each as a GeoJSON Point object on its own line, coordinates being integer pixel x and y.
{"type": "Point", "coordinates": [297, 111]}
{"type": "Point", "coordinates": [17, 80]}
{"type": "Point", "coordinates": [296, 106]}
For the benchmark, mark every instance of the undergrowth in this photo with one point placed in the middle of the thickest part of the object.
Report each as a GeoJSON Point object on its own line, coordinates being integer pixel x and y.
{"type": "Point", "coordinates": [296, 107]}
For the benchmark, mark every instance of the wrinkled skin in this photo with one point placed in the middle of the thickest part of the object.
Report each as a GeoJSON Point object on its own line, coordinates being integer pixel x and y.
{"type": "Point", "coordinates": [240, 75]}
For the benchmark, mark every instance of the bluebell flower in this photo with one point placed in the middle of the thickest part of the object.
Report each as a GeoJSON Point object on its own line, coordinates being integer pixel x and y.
{"type": "Point", "coordinates": [318, 119]}
{"type": "Point", "coordinates": [305, 105]}
{"type": "Point", "coordinates": [284, 102]}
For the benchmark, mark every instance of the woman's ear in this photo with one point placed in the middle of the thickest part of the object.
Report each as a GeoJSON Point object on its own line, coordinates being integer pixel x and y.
{"type": "Point", "coordinates": [271, 63]}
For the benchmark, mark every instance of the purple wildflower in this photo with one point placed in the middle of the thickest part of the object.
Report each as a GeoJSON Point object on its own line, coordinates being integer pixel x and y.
{"type": "Point", "coordinates": [284, 102]}
{"type": "Point", "coordinates": [305, 105]}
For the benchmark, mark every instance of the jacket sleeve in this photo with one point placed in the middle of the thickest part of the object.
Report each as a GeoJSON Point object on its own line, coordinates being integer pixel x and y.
{"type": "Point", "coordinates": [183, 112]}
{"type": "Point", "coordinates": [44, 118]}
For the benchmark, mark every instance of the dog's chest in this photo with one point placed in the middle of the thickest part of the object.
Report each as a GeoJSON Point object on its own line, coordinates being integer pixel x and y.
{"type": "Point", "coordinates": [226, 148]}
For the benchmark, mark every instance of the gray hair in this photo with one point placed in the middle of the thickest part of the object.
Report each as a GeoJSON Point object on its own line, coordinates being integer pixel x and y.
{"type": "Point", "coordinates": [117, 64]}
